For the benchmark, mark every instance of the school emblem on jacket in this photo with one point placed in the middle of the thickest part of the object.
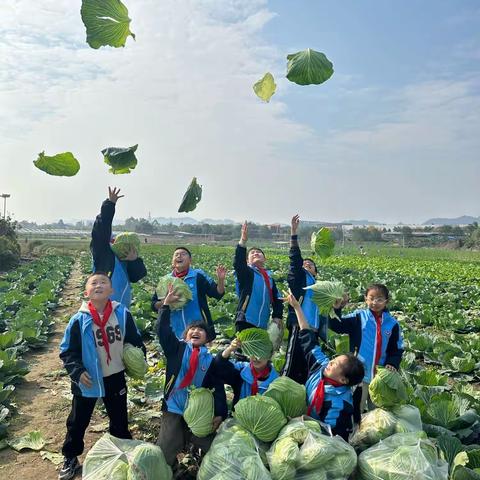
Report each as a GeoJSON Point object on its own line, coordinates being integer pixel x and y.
{"type": "Point", "coordinates": [204, 369]}
{"type": "Point", "coordinates": [388, 333]}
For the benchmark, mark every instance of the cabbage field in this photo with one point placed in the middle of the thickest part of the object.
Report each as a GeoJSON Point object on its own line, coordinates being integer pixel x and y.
{"type": "Point", "coordinates": [435, 296]}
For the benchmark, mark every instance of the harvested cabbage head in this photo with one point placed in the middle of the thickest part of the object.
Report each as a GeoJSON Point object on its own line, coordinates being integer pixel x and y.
{"type": "Point", "coordinates": [180, 289]}
{"type": "Point", "coordinates": [124, 243]}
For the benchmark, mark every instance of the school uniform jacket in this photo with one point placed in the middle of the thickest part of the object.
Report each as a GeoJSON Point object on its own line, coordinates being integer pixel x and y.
{"type": "Point", "coordinates": [337, 408]}
{"type": "Point", "coordinates": [121, 272]}
{"type": "Point", "coordinates": [78, 349]}
{"type": "Point", "coordinates": [239, 376]}
{"type": "Point", "coordinates": [254, 298]}
{"type": "Point", "coordinates": [361, 328]}
{"type": "Point", "coordinates": [195, 310]}
{"type": "Point", "coordinates": [298, 278]}
{"type": "Point", "coordinates": [177, 353]}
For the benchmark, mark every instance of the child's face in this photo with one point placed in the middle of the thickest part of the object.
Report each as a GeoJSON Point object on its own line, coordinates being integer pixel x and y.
{"type": "Point", "coordinates": [98, 288]}
{"type": "Point", "coordinates": [376, 300]}
{"type": "Point", "coordinates": [256, 257]}
{"type": "Point", "coordinates": [259, 364]}
{"type": "Point", "coordinates": [181, 260]}
{"type": "Point", "coordinates": [335, 369]}
{"type": "Point", "coordinates": [196, 336]}
{"type": "Point", "coordinates": [309, 267]}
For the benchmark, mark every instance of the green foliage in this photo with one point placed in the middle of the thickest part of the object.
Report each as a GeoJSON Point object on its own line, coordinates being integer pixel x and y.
{"type": "Point", "coordinates": [325, 294]}
{"type": "Point", "coordinates": [121, 160]}
{"type": "Point", "coordinates": [107, 22]}
{"type": "Point", "coordinates": [60, 165]}
{"type": "Point", "coordinates": [32, 441]}
{"type": "Point", "coordinates": [9, 253]}
{"type": "Point", "coordinates": [256, 343]}
{"type": "Point", "coordinates": [192, 196]}
{"type": "Point", "coordinates": [308, 67]}
{"type": "Point", "coordinates": [322, 243]}
{"type": "Point", "coordinates": [265, 87]}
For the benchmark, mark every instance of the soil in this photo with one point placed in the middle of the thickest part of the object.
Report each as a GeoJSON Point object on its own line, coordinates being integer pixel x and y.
{"type": "Point", "coordinates": [43, 399]}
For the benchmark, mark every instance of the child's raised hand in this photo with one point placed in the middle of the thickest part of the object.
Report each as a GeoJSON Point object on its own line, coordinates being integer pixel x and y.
{"type": "Point", "coordinates": [216, 423]}
{"type": "Point", "coordinates": [236, 344]}
{"type": "Point", "coordinates": [113, 194]}
{"type": "Point", "coordinates": [221, 272]}
{"type": "Point", "coordinates": [341, 302]}
{"type": "Point", "coordinates": [171, 297]}
{"type": "Point", "coordinates": [86, 380]}
{"type": "Point", "coordinates": [244, 235]}
{"type": "Point", "coordinates": [391, 368]}
{"type": "Point", "coordinates": [294, 224]}
{"type": "Point", "coordinates": [132, 254]}
{"type": "Point", "coordinates": [290, 298]}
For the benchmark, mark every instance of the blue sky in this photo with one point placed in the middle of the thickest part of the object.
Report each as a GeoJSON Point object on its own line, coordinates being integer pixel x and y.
{"type": "Point", "coordinates": [392, 136]}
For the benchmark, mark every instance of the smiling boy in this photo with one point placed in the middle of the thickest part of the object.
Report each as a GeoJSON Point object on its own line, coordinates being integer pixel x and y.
{"type": "Point", "coordinates": [92, 353]}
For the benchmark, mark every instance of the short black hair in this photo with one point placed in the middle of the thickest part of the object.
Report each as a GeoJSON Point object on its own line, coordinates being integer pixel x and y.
{"type": "Point", "coordinates": [314, 264]}
{"type": "Point", "coordinates": [184, 248]}
{"type": "Point", "coordinates": [103, 274]}
{"type": "Point", "coordinates": [380, 287]}
{"type": "Point", "coordinates": [353, 370]}
{"type": "Point", "coordinates": [256, 248]}
{"type": "Point", "coordinates": [199, 324]}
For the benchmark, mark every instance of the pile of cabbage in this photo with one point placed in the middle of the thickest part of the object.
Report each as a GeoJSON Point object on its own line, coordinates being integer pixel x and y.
{"type": "Point", "coordinates": [113, 458]}
{"type": "Point", "coordinates": [403, 456]}
{"type": "Point", "coordinates": [302, 452]}
{"type": "Point", "coordinates": [180, 289]}
{"type": "Point", "coordinates": [124, 243]}
{"type": "Point", "coordinates": [233, 455]}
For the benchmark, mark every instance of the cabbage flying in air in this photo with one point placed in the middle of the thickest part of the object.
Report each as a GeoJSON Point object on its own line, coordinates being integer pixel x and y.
{"type": "Point", "coordinates": [325, 294]}
{"type": "Point", "coordinates": [148, 462]}
{"type": "Point", "coordinates": [124, 243]}
{"type": "Point", "coordinates": [308, 67]}
{"type": "Point", "coordinates": [322, 243]}
{"type": "Point", "coordinates": [121, 160]}
{"type": "Point", "coordinates": [255, 343]}
{"type": "Point", "coordinates": [262, 416]}
{"type": "Point", "coordinates": [387, 389]}
{"type": "Point", "coordinates": [290, 395]}
{"type": "Point", "coordinates": [60, 165]}
{"type": "Point", "coordinates": [180, 289]}
{"type": "Point", "coordinates": [199, 412]}
{"type": "Point", "coordinates": [107, 22]}
{"type": "Point", "coordinates": [134, 361]}
{"type": "Point", "coordinates": [265, 87]}
{"type": "Point", "coordinates": [192, 196]}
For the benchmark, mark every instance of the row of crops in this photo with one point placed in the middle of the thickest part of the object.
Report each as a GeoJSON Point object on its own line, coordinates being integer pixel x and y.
{"type": "Point", "coordinates": [28, 295]}
{"type": "Point", "coordinates": [436, 301]}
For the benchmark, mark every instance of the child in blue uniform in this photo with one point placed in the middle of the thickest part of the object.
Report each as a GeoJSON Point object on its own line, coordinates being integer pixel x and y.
{"type": "Point", "coordinates": [330, 382]}
{"type": "Point", "coordinates": [189, 363]}
{"type": "Point", "coordinates": [245, 378]}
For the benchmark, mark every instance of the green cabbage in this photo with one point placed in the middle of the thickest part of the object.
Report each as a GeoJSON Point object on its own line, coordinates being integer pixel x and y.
{"type": "Point", "coordinates": [62, 164]}
{"type": "Point", "coordinates": [199, 412]}
{"type": "Point", "coordinates": [315, 452]}
{"type": "Point", "coordinates": [121, 160]}
{"type": "Point", "coordinates": [298, 429]}
{"type": "Point", "coordinates": [318, 474]}
{"type": "Point", "coordinates": [408, 419]}
{"type": "Point", "coordinates": [344, 462]}
{"type": "Point", "coordinates": [233, 455]}
{"type": "Point", "coordinates": [180, 288]}
{"type": "Point", "coordinates": [375, 426]}
{"type": "Point", "coordinates": [308, 67]}
{"type": "Point", "coordinates": [261, 416]}
{"type": "Point", "coordinates": [124, 242]}
{"type": "Point", "coordinates": [265, 87]}
{"type": "Point", "coordinates": [290, 395]}
{"type": "Point", "coordinates": [325, 294]}
{"type": "Point", "coordinates": [322, 243]}
{"type": "Point", "coordinates": [282, 458]}
{"type": "Point", "coordinates": [134, 361]}
{"type": "Point", "coordinates": [387, 389]}
{"type": "Point", "coordinates": [191, 197]}
{"type": "Point", "coordinates": [148, 463]}
{"type": "Point", "coordinates": [256, 343]}
{"type": "Point", "coordinates": [402, 456]}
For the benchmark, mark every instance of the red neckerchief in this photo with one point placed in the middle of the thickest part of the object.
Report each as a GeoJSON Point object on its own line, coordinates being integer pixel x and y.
{"type": "Point", "coordinates": [378, 338]}
{"type": "Point", "coordinates": [256, 375]}
{"type": "Point", "coordinates": [319, 395]}
{"type": "Point", "coordinates": [266, 279]}
{"type": "Point", "coordinates": [180, 274]}
{"type": "Point", "coordinates": [101, 324]}
{"type": "Point", "coordinates": [192, 369]}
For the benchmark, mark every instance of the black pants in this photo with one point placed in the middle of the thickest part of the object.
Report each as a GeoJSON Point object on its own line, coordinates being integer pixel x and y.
{"type": "Point", "coordinates": [243, 325]}
{"type": "Point", "coordinates": [115, 401]}
{"type": "Point", "coordinates": [296, 366]}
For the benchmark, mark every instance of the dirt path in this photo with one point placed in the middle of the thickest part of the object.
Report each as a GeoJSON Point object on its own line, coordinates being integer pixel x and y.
{"type": "Point", "coordinates": [43, 398]}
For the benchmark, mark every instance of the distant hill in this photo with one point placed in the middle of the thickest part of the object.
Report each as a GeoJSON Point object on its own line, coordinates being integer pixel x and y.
{"type": "Point", "coordinates": [464, 220]}
{"type": "Point", "coordinates": [360, 222]}
{"type": "Point", "coordinates": [192, 221]}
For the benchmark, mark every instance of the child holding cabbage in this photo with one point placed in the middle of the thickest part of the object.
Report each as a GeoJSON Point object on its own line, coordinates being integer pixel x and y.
{"type": "Point", "coordinates": [119, 259]}
{"type": "Point", "coordinates": [245, 378]}
{"type": "Point", "coordinates": [375, 334]}
{"type": "Point", "coordinates": [330, 382]}
{"type": "Point", "coordinates": [189, 364]}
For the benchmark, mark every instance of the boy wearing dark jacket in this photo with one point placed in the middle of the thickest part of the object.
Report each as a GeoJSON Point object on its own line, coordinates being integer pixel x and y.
{"type": "Point", "coordinates": [92, 353]}
{"type": "Point", "coordinates": [189, 363]}
{"type": "Point", "coordinates": [302, 273]}
{"type": "Point", "coordinates": [122, 271]}
{"type": "Point", "coordinates": [256, 288]}
{"type": "Point", "coordinates": [201, 286]}
{"type": "Point", "coordinates": [330, 382]}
